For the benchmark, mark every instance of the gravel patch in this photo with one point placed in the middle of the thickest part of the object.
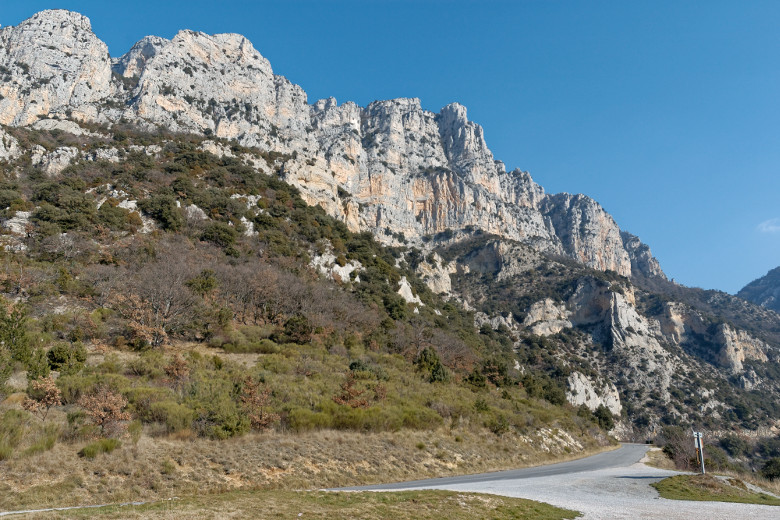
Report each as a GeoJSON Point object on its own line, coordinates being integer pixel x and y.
{"type": "Point", "coordinates": [615, 493]}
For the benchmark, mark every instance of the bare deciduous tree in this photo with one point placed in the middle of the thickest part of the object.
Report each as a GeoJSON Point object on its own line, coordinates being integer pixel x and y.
{"type": "Point", "coordinates": [43, 397]}
{"type": "Point", "coordinates": [105, 407]}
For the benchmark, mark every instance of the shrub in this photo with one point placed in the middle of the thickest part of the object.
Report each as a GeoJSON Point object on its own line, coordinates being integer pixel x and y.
{"type": "Point", "coordinates": [735, 446]}
{"type": "Point", "coordinates": [38, 366]}
{"type": "Point", "coordinates": [304, 419]}
{"type": "Point", "coordinates": [176, 417]}
{"type": "Point", "coordinates": [298, 329]}
{"type": "Point", "coordinates": [105, 408]}
{"type": "Point", "coordinates": [771, 469]}
{"type": "Point", "coordinates": [217, 414]}
{"type": "Point", "coordinates": [92, 450]}
{"type": "Point", "coordinates": [43, 395]}
{"type": "Point", "coordinates": [12, 431]}
{"type": "Point", "coordinates": [67, 357]}
{"type": "Point", "coordinates": [604, 417]}
{"type": "Point", "coordinates": [164, 210]}
{"type": "Point", "coordinates": [13, 332]}
{"type": "Point", "coordinates": [141, 399]}
{"type": "Point", "coordinates": [220, 234]}
{"type": "Point", "coordinates": [429, 363]}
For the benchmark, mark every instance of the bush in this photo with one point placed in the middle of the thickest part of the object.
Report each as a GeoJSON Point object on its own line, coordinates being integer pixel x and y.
{"type": "Point", "coordinates": [304, 419]}
{"type": "Point", "coordinates": [771, 469]}
{"type": "Point", "coordinates": [92, 450]}
{"type": "Point", "coordinates": [429, 363]}
{"type": "Point", "coordinates": [164, 210]}
{"type": "Point", "coordinates": [735, 446]}
{"type": "Point", "coordinates": [141, 399]}
{"type": "Point", "coordinates": [176, 417]}
{"type": "Point", "coordinates": [12, 431]}
{"type": "Point", "coordinates": [67, 357]}
{"type": "Point", "coordinates": [604, 417]}
{"type": "Point", "coordinates": [220, 234]}
{"type": "Point", "coordinates": [216, 412]}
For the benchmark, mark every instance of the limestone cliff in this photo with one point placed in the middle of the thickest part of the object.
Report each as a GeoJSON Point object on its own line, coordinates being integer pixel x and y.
{"type": "Point", "coordinates": [392, 168]}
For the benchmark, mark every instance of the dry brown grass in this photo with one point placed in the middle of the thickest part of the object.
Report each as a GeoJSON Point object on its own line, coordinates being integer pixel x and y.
{"type": "Point", "coordinates": [657, 459]}
{"type": "Point", "coordinates": [159, 468]}
{"type": "Point", "coordinates": [407, 505]}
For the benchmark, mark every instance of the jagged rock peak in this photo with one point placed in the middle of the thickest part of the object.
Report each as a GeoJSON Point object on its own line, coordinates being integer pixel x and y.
{"type": "Point", "coordinates": [57, 19]}
{"type": "Point", "coordinates": [588, 232]}
{"type": "Point", "coordinates": [52, 62]}
{"type": "Point", "coordinates": [642, 260]}
{"type": "Point", "coordinates": [134, 61]}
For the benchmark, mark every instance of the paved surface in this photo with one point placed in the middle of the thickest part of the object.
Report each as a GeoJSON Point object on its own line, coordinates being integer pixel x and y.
{"type": "Point", "coordinates": [610, 485]}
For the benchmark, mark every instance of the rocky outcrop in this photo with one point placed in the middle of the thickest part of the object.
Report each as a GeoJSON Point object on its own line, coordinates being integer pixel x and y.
{"type": "Point", "coordinates": [643, 263]}
{"type": "Point", "coordinates": [588, 233]}
{"type": "Point", "coordinates": [9, 147]}
{"type": "Point", "coordinates": [52, 63]}
{"type": "Point", "coordinates": [55, 161]}
{"type": "Point", "coordinates": [581, 390]}
{"type": "Point", "coordinates": [738, 346]}
{"type": "Point", "coordinates": [547, 317]}
{"type": "Point", "coordinates": [406, 292]}
{"type": "Point", "coordinates": [133, 63]}
{"type": "Point", "coordinates": [436, 274]}
{"type": "Point", "coordinates": [63, 125]}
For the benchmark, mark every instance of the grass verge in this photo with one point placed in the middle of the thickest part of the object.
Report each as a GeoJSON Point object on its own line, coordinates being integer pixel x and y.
{"type": "Point", "coordinates": [709, 488]}
{"type": "Point", "coordinates": [406, 505]}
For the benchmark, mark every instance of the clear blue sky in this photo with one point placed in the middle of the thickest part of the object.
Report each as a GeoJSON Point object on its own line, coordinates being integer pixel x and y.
{"type": "Point", "coordinates": [666, 112]}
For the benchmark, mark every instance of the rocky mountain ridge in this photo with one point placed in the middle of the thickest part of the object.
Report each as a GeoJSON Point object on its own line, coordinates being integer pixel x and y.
{"type": "Point", "coordinates": [391, 168]}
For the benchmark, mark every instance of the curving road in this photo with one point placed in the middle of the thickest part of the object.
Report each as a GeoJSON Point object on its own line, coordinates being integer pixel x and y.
{"type": "Point", "coordinates": [610, 485]}
{"type": "Point", "coordinates": [626, 455]}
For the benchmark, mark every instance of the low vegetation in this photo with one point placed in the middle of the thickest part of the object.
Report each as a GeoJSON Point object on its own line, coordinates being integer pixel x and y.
{"type": "Point", "coordinates": [710, 488]}
{"type": "Point", "coordinates": [405, 505]}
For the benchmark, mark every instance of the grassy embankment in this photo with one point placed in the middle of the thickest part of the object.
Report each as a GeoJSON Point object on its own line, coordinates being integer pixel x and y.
{"type": "Point", "coordinates": [266, 504]}
{"type": "Point", "coordinates": [710, 488]}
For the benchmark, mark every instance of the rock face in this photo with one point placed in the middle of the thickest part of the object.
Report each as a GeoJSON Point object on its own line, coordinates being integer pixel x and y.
{"type": "Point", "coordinates": [9, 147]}
{"type": "Point", "coordinates": [764, 291]}
{"type": "Point", "coordinates": [391, 167]}
{"type": "Point", "coordinates": [52, 63]}
{"type": "Point", "coordinates": [583, 391]}
{"type": "Point", "coordinates": [133, 63]}
{"type": "Point", "coordinates": [738, 346]}
{"type": "Point", "coordinates": [547, 317]}
{"type": "Point", "coordinates": [588, 233]}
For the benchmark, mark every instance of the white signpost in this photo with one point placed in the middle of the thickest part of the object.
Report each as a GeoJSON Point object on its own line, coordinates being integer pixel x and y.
{"type": "Point", "coordinates": [699, 449]}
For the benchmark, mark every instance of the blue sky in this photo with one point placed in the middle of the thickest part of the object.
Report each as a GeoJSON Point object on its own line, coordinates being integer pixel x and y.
{"type": "Point", "coordinates": [666, 112]}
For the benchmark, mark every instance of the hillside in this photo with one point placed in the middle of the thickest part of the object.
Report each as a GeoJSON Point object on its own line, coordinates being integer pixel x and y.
{"type": "Point", "coordinates": [187, 239]}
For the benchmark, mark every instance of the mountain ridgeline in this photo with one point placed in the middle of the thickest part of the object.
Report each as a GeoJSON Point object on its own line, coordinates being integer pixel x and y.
{"type": "Point", "coordinates": [581, 301]}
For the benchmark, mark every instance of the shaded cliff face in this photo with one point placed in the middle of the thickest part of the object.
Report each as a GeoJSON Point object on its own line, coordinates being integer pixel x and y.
{"type": "Point", "coordinates": [764, 291]}
{"type": "Point", "coordinates": [392, 168]}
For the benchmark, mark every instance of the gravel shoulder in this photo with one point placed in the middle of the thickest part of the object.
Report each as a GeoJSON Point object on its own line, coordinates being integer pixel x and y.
{"type": "Point", "coordinates": [619, 488]}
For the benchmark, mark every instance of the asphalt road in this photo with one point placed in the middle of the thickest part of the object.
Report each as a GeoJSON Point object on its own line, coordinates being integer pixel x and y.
{"type": "Point", "coordinates": [609, 486]}
{"type": "Point", "coordinates": [626, 455]}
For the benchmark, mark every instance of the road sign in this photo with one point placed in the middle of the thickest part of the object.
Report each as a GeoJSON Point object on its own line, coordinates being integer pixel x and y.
{"type": "Point", "coordinates": [697, 438]}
